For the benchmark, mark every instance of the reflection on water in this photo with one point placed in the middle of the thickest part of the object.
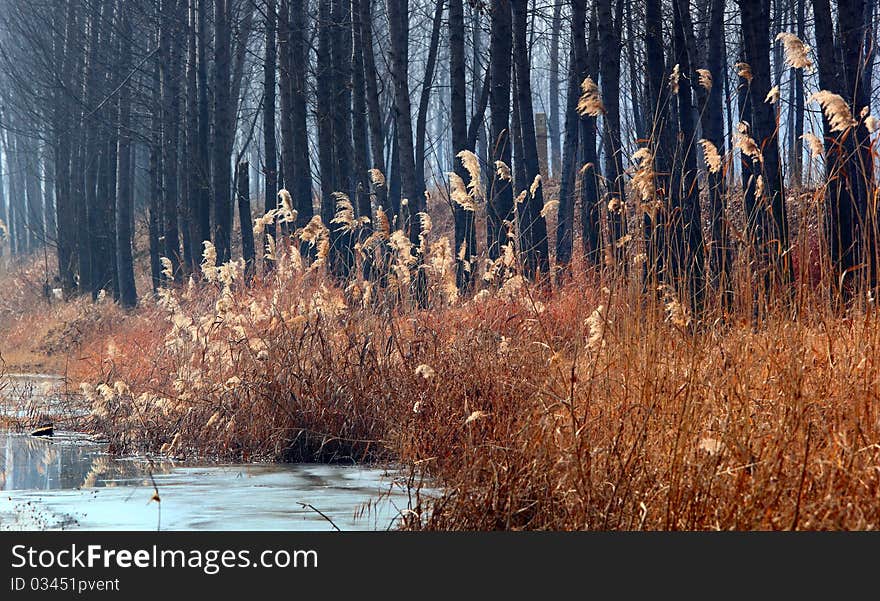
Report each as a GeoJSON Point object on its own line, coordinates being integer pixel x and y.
{"type": "Point", "coordinates": [64, 462]}
{"type": "Point", "coordinates": [70, 482]}
{"type": "Point", "coordinates": [66, 482]}
{"type": "Point", "coordinates": [26, 399]}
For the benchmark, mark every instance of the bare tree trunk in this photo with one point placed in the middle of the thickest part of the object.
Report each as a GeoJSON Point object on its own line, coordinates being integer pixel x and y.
{"type": "Point", "coordinates": [500, 199]}
{"type": "Point", "coordinates": [359, 130]}
{"type": "Point", "coordinates": [293, 61]}
{"type": "Point", "coordinates": [776, 18]}
{"type": "Point", "coordinates": [687, 227]}
{"type": "Point", "coordinates": [755, 220]}
{"type": "Point", "coordinates": [124, 198]}
{"type": "Point", "coordinates": [155, 174]}
{"type": "Point", "coordinates": [519, 170]}
{"type": "Point", "coordinates": [104, 211]}
{"type": "Point", "coordinates": [589, 159]}
{"type": "Point", "coordinates": [609, 68]}
{"type": "Point", "coordinates": [16, 211]}
{"type": "Point", "coordinates": [479, 128]}
{"type": "Point", "coordinates": [870, 45]}
{"type": "Point", "coordinates": [465, 235]}
{"type": "Point", "coordinates": [61, 119]}
{"type": "Point", "coordinates": [576, 73]}
{"type": "Point", "coordinates": [270, 200]}
{"type": "Point", "coordinates": [425, 96]}
{"type": "Point", "coordinates": [169, 57]}
{"type": "Point", "coordinates": [285, 86]}
{"type": "Point", "coordinates": [860, 166]}
{"type": "Point", "coordinates": [342, 253]}
{"type": "Point", "coordinates": [662, 141]}
{"type": "Point", "coordinates": [634, 83]}
{"type": "Point", "coordinates": [341, 53]}
{"type": "Point", "coordinates": [84, 167]}
{"type": "Point", "coordinates": [191, 152]}
{"type": "Point", "coordinates": [106, 277]}
{"type": "Point", "coordinates": [33, 196]}
{"type": "Point", "coordinates": [63, 59]}
{"type": "Point", "coordinates": [241, 37]}
{"type": "Point", "coordinates": [797, 87]}
{"type": "Point", "coordinates": [728, 104]}
{"type": "Point", "coordinates": [533, 226]}
{"type": "Point", "coordinates": [245, 219]}
{"type": "Point", "coordinates": [395, 195]}
{"type": "Point", "coordinates": [4, 213]}
{"type": "Point", "coordinates": [374, 111]}
{"type": "Point", "coordinates": [203, 162]}
{"type": "Point", "coordinates": [323, 114]}
{"type": "Point", "coordinates": [411, 188]}
{"type": "Point", "coordinates": [756, 39]}
{"type": "Point", "coordinates": [713, 130]}
{"type": "Point", "coordinates": [553, 125]}
{"type": "Point", "coordinates": [839, 196]}
{"type": "Point", "coordinates": [223, 124]}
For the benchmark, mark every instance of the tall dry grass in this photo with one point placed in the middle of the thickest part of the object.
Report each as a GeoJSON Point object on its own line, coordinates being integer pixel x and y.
{"type": "Point", "coordinates": [591, 406]}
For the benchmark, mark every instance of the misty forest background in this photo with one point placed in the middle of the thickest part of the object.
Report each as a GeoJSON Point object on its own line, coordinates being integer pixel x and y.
{"type": "Point", "coordinates": [179, 118]}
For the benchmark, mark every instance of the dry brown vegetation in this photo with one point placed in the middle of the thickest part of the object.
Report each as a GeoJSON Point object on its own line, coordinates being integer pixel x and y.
{"type": "Point", "coordinates": [591, 406]}
{"type": "Point", "coordinates": [31, 322]}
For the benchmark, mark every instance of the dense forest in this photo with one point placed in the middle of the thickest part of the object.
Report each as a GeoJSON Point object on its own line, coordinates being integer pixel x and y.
{"type": "Point", "coordinates": [669, 135]}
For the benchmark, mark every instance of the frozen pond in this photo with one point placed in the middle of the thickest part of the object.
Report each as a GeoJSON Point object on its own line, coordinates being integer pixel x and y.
{"type": "Point", "coordinates": [70, 482]}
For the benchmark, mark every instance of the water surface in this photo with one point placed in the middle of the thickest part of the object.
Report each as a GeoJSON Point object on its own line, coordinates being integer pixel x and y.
{"type": "Point", "coordinates": [70, 482]}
